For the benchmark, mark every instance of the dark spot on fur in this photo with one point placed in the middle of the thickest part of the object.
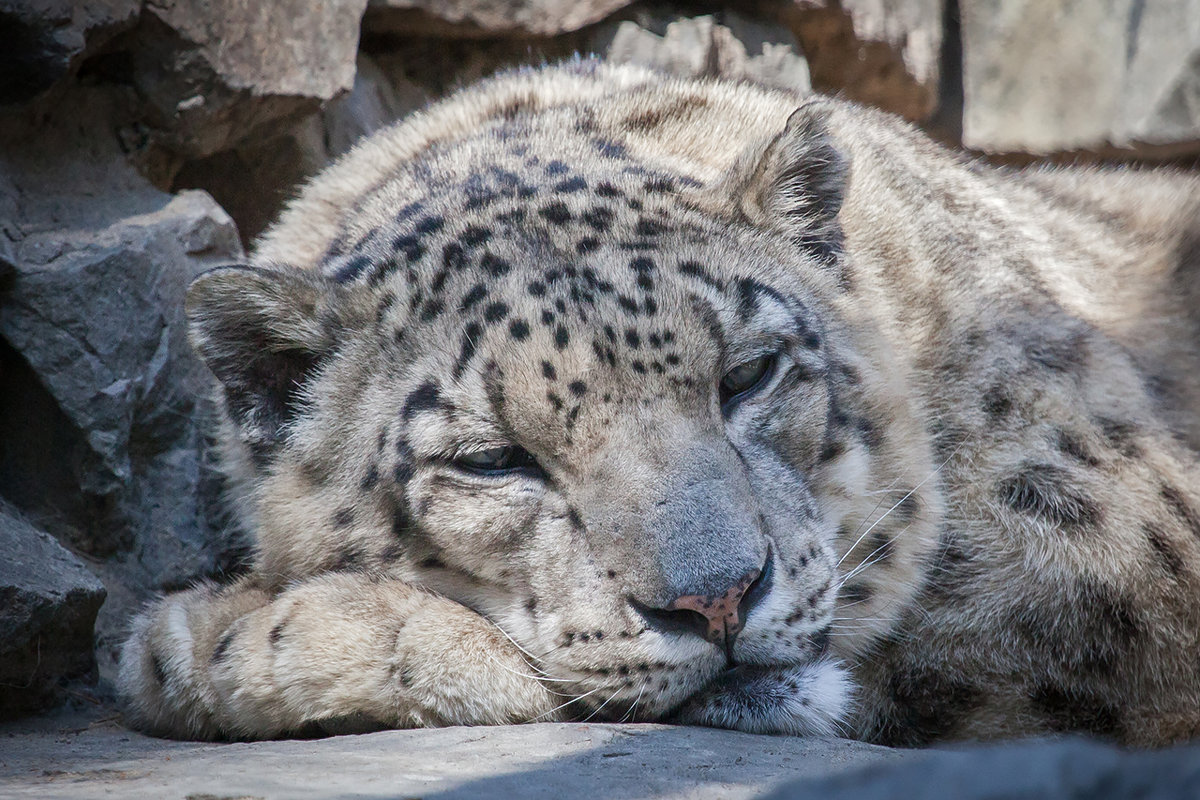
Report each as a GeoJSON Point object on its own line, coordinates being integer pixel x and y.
{"type": "Point", "coordinates": [1166, 552]}
{"type": "Point", "coordinates": [430, 224]}
{"type": "Point", "coordinates": [576, 520]}
{"type": "Point", "coordinates": [1181, 509]}
{"type": "Point", "coordinates": [350, 559]}
{"type": "Point", "coordinates": [556, 212]}
{"type": "Point", "coordinates": [574, 184]}
{"type": "Point", "coordinates": [586, 245]}
{"type": "Point", "coordinates": [548, 371]}
{"type": "Point", "coordinates": [1043, 490]}
{"type": "Point", "coordinates": [370, 479]}
{"type": "Point", "coordinates": [561, 337]}
{"type": "Point", "coordinates": [275, 635]}
{"type": "Point", "coordinates": [928, 704]}
{"type": "Point", "coordinates": [609, 149]}
{"type": "Point", "coordinates": [950, 572]}
{"type": "Point", "coordinates": [425, 397]}
{"type": "Point", "coordinates": [218, 654]}
{"type": "Point", "coordinates": [598, 217]}
{"type": "Point", "coordinates": [649, 227]}
{"type": "Point", "coordinates": [1120, 436]}
{"type": "Point", "coordinates": [536, 288]}
{"type": "Point", "coordinates": [519, 330]}
{"type": "Point", "coordinates": [695, 270]}
{"type": "Point", "coordinates": [467, 347]}
{"type": "Point", "coordinates": [1072, 445]}
{"type": "Point", "coordinates": [1068, 709]}
{"type": "Point", "coordinates": [351, 269]}
{"type": "Point", "coordinates": [432, 562]}
{"type": "Point", "coordinates": [495, 312]}
{"type": "Point", "coordinates": [474, 236]}
{"type": "Point", "coordinates": [454, 257]}
{"type": "Point", "coordinates": [856, 593]}
{"type": "Point", "coordinates": [494, 265]}
{"type": "Point", "coordinates": [577, 388]}
{"type": "Point", "coordinates": [477, 293]}
{"type": "Point", "coordinates": [402, 522]}
{"type": "Point", "coordinates": [996, 402]}
{"type": "Point", "coordinates": [411, 247]}
{"type": "Point", "coordinates": [555, 401]}
{"type": "Point", "coordinates": [556, 167]}
{"type": "Point", "coordinates": [1088, 628]}
{"type": "Point", "coordinates": [344, 518]}
{"type": "Point", "coordinates": [431, 309]}
{"type": "Point", "coordinates": [1061, 354]}
{"type": "Point", "coordinates": [632, 339]}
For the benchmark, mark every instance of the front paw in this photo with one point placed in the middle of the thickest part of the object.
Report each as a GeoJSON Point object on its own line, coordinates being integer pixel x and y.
{"type": "Point", "coordinates": [806, 700]}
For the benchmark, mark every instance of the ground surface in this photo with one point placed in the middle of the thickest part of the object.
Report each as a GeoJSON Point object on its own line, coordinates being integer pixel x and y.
{"type": "Point", "coordinates": [88, 755]}
{"type": "Point", "coordinates": [77, 756]}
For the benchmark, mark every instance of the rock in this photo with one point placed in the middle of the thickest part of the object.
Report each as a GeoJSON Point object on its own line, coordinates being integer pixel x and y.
{"type": "Point", "coordinates": [48, 604]}
{"type": "Point", "coordinates": [252, 182]}
{"type": "Point", "coordinates": [884, 53]}
{"type": "Point", "coordinates": [547, 761]}
{"type": "Point", "coordinates": [1037, 770]}
{"type": "Point", "coordinates": [373, 103]}
{"type": "Point", "coordinates": [44, 42]}
{"type": "Point", "coordinates": [214, 74]}
{"type": "Point", "coordinates": [473, 18]}
{"type": "Point", "coordinates": [1043, 76]}
{"type": "Point", "coordinates": [103, 409]}
{"type": "Point", "coordinates": [729, 46]}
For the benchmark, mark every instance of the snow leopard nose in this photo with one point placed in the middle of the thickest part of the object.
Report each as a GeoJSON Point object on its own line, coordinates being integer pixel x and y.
{"type": "Point", "coordinates": [719, 618]}
{"type": "Point", "coordinates": [722, 618]}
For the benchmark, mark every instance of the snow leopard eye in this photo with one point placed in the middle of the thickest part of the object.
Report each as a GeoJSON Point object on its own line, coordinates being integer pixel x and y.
{"type": "Point", "coordinates": [497, 461]}
{"type": "Point", "coordinates": [745, 379]}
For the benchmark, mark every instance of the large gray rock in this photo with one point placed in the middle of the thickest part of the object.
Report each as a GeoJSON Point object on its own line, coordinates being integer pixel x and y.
{"type": "Point", "coordinates": [884, 53]}
{"type": "Point", "coordinates": [517, 762]}
{"type": "Point", "coordinates": [43, 42]}
{"type": "Point", "coordinates": [103, 407]}
{"type": "Point", "coordinates": [48, 604]}
{"type": "Point", "coordinates": [1033, 770]}
{"type": "Point", "coordinates": [214, 74]}
{"type": "Point", "coordinates": [728, 46]}
{"type": "Point", "coordinates": [486, 17]}
{"type": "Point", "coordinates": [1043, 76]}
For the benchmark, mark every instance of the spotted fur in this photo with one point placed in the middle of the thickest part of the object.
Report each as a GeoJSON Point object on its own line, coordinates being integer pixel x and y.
{"type": "Point", "coordinates": [964, 498]}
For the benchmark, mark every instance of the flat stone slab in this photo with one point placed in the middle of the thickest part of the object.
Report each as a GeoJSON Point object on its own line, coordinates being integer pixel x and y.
{"type": "Point", "coordinates": [70, 756]}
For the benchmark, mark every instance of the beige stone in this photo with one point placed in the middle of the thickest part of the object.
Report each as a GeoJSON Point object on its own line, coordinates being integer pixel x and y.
{"type": "Point", "coordinates": [1043, 76]}
{"type": "Point", "coordinates": [733, 47]}
{"type": "Point", "coordinates": [487, 17]}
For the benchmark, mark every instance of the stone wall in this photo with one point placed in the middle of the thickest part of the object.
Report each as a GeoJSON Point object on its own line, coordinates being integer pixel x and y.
{"type": "Point", "coordinates": [141, 143]}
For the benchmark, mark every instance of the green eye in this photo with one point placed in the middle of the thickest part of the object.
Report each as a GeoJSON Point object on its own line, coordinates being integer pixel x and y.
{"type": "Point", "coordinates": [497, 460]}
{"type": "Point", "coordinates": [745, 378]}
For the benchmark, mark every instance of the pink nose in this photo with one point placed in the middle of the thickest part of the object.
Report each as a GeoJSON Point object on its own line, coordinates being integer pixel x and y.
{"type": "Point", "coordinates": [720, 611]}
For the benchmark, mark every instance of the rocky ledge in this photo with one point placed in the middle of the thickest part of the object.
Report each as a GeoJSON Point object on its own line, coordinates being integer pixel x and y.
{"type": "Point", "coordinates": [74, 755]}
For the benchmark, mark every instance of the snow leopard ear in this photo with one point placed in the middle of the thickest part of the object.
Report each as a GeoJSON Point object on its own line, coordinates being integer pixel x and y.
{"type": "Point", "coordinates": [263, 333]}
{"type": "Point", "coordinates": [796, 184]}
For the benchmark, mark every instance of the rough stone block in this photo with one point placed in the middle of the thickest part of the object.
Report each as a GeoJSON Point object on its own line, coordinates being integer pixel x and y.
{"type": "Point", "coordinates": [1044, 76]}
{"type": "Point", "coordinates": [48, 605]}
{"type": "Point", "coordinates": [728, 46]}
